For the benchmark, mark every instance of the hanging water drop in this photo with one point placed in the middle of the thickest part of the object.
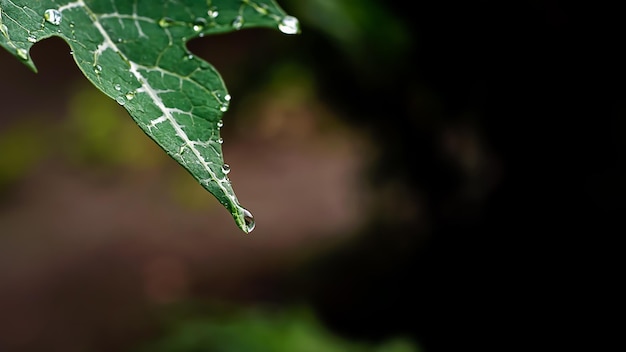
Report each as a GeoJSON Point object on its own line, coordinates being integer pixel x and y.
{"type": "Point", "coordinates": [289, 25]}
{"type": "Point", "coordinates": [53, 16]}
{"type": "Point", "coordinates": [220, 123]}
{"type": "Point", "coordinates": [227, 97]}
{"type": "Point", "coordinates": [199, 24]}
{"type": "Point", "coordinates": [249, 219]}
{"type": "Point", "coordinates": [238, 22]}
{"type": "Point", "coordinates": [22, 54]}
{"type": "Point", "coordinates": [220, 140]}
{"type": "Point", "coordinates": [226, 169]}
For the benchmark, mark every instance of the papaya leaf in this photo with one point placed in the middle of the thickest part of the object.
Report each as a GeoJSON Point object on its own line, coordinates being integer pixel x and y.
{"type": "Point", "coordinates": [135, 52]}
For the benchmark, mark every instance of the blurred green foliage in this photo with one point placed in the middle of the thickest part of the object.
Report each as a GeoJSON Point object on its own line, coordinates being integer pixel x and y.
{"type": "Point", "coordinates": [101, 133]}
{"type": "Point", "coordinates": [262, 330]}
{"type": "Point", "coordinates": [22, 145]}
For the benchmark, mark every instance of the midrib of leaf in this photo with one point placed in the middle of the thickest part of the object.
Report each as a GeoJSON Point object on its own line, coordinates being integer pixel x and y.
{"type": "Point", "coordinates": [154, 96]}
{"type": "Point", "coordinates": [190, 152]}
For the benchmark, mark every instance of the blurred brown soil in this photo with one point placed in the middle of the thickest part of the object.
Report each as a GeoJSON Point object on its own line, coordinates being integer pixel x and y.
{"type": "Point", "coordinates": [85, 257]}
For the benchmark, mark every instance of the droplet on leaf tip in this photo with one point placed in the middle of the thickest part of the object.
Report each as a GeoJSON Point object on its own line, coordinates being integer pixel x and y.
{"type": "Point", "coordinates": [249, 220]}
{"type": "Point", "coordinates": [289, 25]}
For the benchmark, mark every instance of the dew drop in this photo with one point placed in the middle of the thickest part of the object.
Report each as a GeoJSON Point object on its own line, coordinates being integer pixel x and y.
{"type": "Point", "coordinates": [165, 22]}
{"type": "Point", "coordinates": [199, 24]}
{"type": "Point", "coordinates": [238, 22]}
{"type": "Point", "coordinates": [249, 219]}
{"type": "Point", "coordinates": [53, 16]}
{"type": "Point", "coordinates": [31, 38]}
{"type": "Point", "coordinates": [289, 25]}
{"type": "Point", "coordinates": [227, 97]}
{"type": "Point", "coordinates": [220, 140]}
{"type": "Point", "coordinates": [97, 69]}
{"type": "Point", "coordinates": [117, 87]}
{"type": "Point", "coordinates": [72, 24]}
{"type": "Point", "coordinates": [22, 53]}
{"type": "Point", "coordinates": [224, 108]}
{"type": "Point", "coordinates": [120, 100]}
{"type": "Point", "coordinates": [130, 95]}
{"type": "Point", "coordinates": [220, 123]}
{"type": "Point", "coordinates": [213, 13]}
{"type": "Point", "coordinates": [226, 169]}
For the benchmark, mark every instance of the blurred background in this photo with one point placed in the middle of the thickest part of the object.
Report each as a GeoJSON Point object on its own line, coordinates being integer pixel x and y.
{"type": "Point", "coordinates": [422, 179]}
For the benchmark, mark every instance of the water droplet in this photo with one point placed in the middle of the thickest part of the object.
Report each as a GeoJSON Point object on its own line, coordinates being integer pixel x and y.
{"type": "Point", "coordinates": [238, 22]}
{"type": "Point", "coordinates": [289, 25]}
{"type": "Point", "coordinates": [224, 108]}
{"type": "Point", "coordinates": [71, 52]}
{"type": "Point", "coordinates": [249, 219]}
{"type": "Point", "coordinates": [165, 22]}
{"type": "Point", "coordinates": [120, 100]}
{"type": "Point", "coordinates": [220, 140]}
{"type": "Point", "coordinates": [199, 24]}
{"type": "Point", "coordinates": [117, 87]}
{"type": "Point", "coordinates": [72, 24]}
{"type": "Point", "coordinates": [97, 69]}
{"type": "Point", "coordinates": [226, 169]}
{"type": "Point", "coordinates": [213, 13]}
{"type": "Point", "coordinates": [220, 123]}
{"type": "Point", "coordinates": [31, 38]}
{"type": "Point", "coordinates": [53, 16]}
{"type": "Point", "coordinates": [227, 97]}
{"type": "Point", "coordinates": [130, 95]}
{"type": "Point", "coordinates": [22, 53]}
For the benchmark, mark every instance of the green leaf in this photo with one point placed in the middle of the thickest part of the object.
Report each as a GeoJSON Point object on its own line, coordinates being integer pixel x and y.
{"type": "Point", "coordinates": [135, 52]}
